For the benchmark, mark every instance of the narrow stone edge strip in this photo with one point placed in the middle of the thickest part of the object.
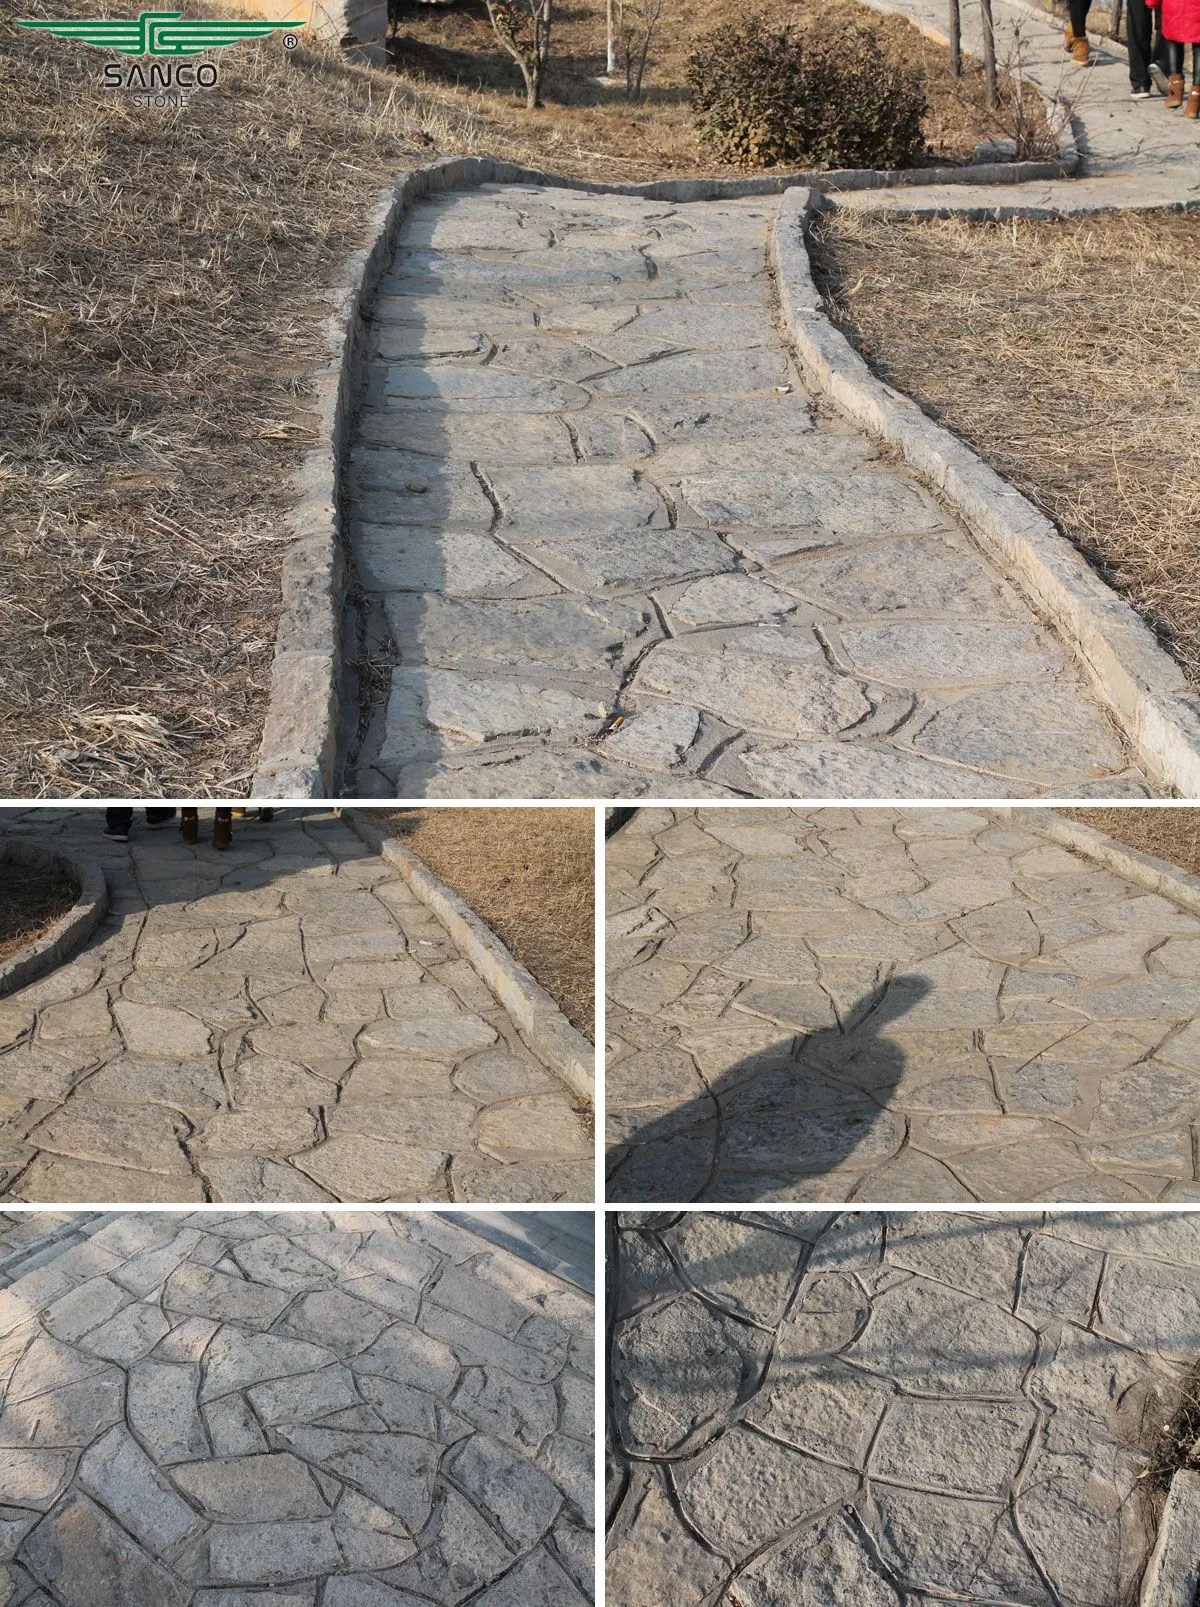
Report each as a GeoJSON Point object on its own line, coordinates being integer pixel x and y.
{"type": "Point", "coordinates": [298, 748]}
{"type": "Point", "coordinates": [1172, 1575]}
{"type": "Point", "coordinates": [535, 1012]}
{"type": "Point", "coordinates": [71, 931]}
{"type": "Point", "coordinates": [1143, 870]}
{"type": "Point", "coordinates": [496, 1238]}
{"type": "Point", "coordinates": [1137, 682]}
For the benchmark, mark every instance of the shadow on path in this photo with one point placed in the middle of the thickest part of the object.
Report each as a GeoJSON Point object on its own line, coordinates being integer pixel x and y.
{"type": "Point", "coordinates": [795, 1111]}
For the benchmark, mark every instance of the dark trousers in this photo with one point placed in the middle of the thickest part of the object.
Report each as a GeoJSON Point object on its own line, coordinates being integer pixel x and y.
{"type": "Point", "coordinates": [1143, 28]}
{"type": "Point", "coordinates": [1079, 14]}
{"type": "Point", "coordinates": [122, 819]}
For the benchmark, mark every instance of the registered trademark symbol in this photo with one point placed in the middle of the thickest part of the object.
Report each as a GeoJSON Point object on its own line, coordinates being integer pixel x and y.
{"type": "Point", "coordinates": [290, 41]}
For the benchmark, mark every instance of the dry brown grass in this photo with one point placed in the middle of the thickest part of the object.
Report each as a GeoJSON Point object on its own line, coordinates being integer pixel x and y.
{"type": "Point", "coordinates": [159, 291]}
{"type": "Point", "coordinates": [1170, 834]}
{"type": "Point", "coordinates": [31, 900]}
{"type": "Point", "coordinates": [1060, 351]}
{"type": "Point", "coordinates": [591, 130]}
{"type": "Point", "coordinates": [530, 875]}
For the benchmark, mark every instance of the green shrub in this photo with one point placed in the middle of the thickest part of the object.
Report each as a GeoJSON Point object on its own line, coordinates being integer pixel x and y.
{"type": "Point", "coordinates": [823, 92]}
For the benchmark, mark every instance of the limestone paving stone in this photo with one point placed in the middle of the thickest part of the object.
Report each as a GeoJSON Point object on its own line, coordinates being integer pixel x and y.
{"type": "Point", "coordinates": [959, 1444]}
{"type": "Point", "coordinates": [282, 1023]}
{"type": "Point", "coordinates": [577, 439]}
{"type": "Point", "coordinates": [891, 1004]}
{"type": "Point", "coordinates": [237, 1464]}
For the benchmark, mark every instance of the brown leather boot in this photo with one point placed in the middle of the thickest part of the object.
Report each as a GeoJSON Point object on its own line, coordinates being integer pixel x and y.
{"type": "Point", "coordinates": [1068, 38]}
{"type": "Point", "coordinates": [1080, 52]}
{"type": "Point", "coordinates": [1192, 109]}
{"type": "Point", "coordinates": [1174, 92]}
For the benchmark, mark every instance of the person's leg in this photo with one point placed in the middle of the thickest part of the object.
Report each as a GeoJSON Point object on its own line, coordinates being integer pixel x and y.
{"type": "Point", "coordinates": [1192, 109]}
{"type": "Point", "coordinates": [117, 823]}
{"type": "Point", "coordinates": [1139, 36]}
{"type": "Point", "coordinates": [1175, 90]}
{"type": "Point", "coordinates": [159, 817]}
{"type": "Point", "coordinates": [189, 825]}
{"type": "Point", "coordinates": [223, 828]}
{"type": "Point", "coordinates": [1076, 34]}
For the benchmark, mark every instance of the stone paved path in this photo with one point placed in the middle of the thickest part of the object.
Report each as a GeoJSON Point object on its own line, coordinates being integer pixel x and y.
{"type": "Point", "coordinates": [355, 1409]}
{"type": "Point", "coordinates": [886, 1004]}
{"type": "Point", "coordinates": [283, 1021]}
{"type": "Point", "coordinates": [862, 1411]}
{"type": "Point", "coordinates": [1135, 153]}
{"type": "Point", "coordinates": [609, 547]}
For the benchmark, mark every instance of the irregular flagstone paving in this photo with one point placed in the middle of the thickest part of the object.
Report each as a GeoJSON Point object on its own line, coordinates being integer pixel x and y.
{"type": "Point", "coordinates": [284, 1021]}
{"type": "Point", "coordinates": [608, 546]}
{"type": "Point", "coordinates": [891, 1410]}
{"type": "Point", "coordinates": [352, 1409]}
{"type": "Point", "coordinates": [892, 1004]}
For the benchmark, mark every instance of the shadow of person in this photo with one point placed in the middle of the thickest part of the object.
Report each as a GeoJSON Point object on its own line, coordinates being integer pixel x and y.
{"type": "Point", "coordinates": [802, 1118]}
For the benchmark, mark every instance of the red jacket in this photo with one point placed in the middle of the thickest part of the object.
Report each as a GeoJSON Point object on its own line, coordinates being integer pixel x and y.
{"type": "Point", "coordinates": [1180, 20]}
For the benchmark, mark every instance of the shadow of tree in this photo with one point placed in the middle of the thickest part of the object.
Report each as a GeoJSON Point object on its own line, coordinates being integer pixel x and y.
{"type": "Point", "coordinates": [778, 1119]}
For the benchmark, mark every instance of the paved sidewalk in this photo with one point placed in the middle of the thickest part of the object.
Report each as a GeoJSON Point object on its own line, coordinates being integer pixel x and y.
{"type": "Point", "coordinates": [1136, 153]}
{"type": "Point", "coordinates": [860, 1412]}
{"type": "Point", "coordinates": [356, 1409]}
{"type": "Point", "coordinates": [610, 547]}
{"type": "Point", "coordinates": [283, 1022]}
{"type": "Point", "coordinates": [900, 1005]}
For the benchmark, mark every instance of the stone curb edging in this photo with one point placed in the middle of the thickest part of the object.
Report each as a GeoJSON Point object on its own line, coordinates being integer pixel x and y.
{"type": "Point", "coordinates": [495, 1238]}
{"type": "Point", "coordinates": [297, 754]}
{"type": "Point", "coordinates": [1144, 870]}
{"type": "Point", "coordinates": [1141, 686]}
{"type": "Point", "coordinates": [542, 1023]}
{"type": "Point", "coordinates": [71, 931]}
{"type": "Point", "coordinates": [1172, 1577]}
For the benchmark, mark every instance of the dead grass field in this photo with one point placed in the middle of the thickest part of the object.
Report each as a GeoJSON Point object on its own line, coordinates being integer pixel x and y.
{"type": "Point", "coordinates": [1059, 351]}
{"type": "Point", "coordinates": [530, 875]}
{"type": "Point", "coordinates": [31, 900]}
{"type": "Point", "coordinates": [1170, 834]}
{"type": "Point", "coordinates": [591, 129]}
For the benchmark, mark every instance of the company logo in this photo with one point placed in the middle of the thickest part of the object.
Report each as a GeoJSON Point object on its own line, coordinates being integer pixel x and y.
{"type": "Point", "coordinates": [158, 33]}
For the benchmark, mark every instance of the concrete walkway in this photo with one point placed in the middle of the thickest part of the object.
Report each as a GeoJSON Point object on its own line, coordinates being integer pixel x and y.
{"type": "Point", "coordinates": [560, 1242]}
{"type": "Point", "coordinates": [610, 547]}
{"type": "Point", "coordinates": [356, 1409]}
{"type": "Point", "coordinates": [861, 1412]}
{"type": "Point", "coordinates": [284, 1021]}
{"type": "Point", "coordinates": [892, 1005]}
{"type": "Point", "coordinates": [1136, 154]}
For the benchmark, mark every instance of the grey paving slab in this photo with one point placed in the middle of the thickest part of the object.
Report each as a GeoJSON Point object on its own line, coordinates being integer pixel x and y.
{"type": "Point", "coordinates": [894, 1005]}
{"type": "Point", "coordinates": [351, 1448]}
{"type": "Point", "coordinates": [891, 1410]}
{"type": "Point", "coordinates": [561, 1242]}
{"type": "Point", "coordinates": [607, 544]}
{"type": "Point", "coordinates": [281, 1022]}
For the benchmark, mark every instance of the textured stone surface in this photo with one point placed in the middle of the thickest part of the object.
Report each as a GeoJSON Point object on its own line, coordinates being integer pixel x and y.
{"type": "Point", "coordinates": [341, 1455]}
{"type": "Point", "coordinates": [892, 1004]}
{"type": "Point", "coordinates": [568, 442]}
{"type": "Point", "coordinates": [956, 1441]}
{"type": "Point", "coordinates": [280, 1023]}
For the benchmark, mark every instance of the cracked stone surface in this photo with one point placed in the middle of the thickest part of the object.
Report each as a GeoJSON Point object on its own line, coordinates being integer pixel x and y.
{"type": "Point", "coordinates": [390, 1413]}
{"type": "Point", "coordinates": [893, 1005]}
{"type": "Point", "coordinates": [891, 1410]}
{"type": "Point", "coordinates": [281, 1022]}
{"type": "Point", "coordinates": [609, 546]}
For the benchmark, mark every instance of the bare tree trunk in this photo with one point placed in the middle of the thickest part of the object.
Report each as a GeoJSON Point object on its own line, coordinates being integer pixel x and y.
{"type": "Point", "coordinates": [955, 38]}
{"type": "Point", "coordinates": [989, 52]}
{"type": "Point", "coordinates": [611, 70]}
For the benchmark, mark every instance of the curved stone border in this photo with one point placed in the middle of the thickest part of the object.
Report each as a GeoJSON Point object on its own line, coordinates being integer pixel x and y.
{"type": "Point", "coordinates": [1144, 870]}
{"type": "Point", "coordinates": [71, 931]}
{"type": "Point", "coordinates": [1172, 1577]}
{"type": "Point", "coordinates": [298, 751]}
{"type": "Point", "coordinates": [542, 1023]}
{"type": "Point", "coordinates": [1142, 687]}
